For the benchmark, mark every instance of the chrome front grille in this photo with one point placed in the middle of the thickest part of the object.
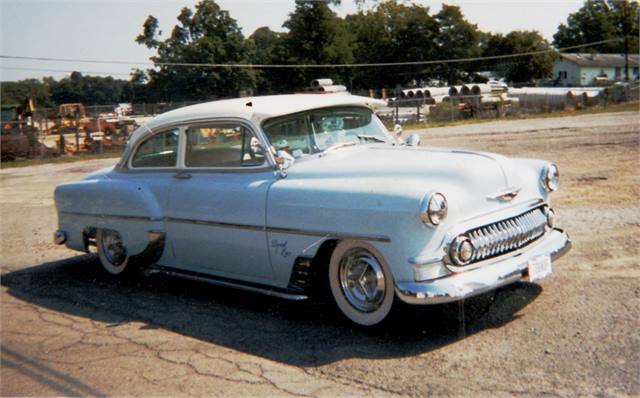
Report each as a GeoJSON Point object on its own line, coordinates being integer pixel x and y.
{"type": "Point", "coordinates": [507, 235]}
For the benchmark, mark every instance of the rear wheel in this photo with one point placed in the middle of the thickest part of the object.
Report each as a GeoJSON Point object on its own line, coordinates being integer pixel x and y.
{"type": "Point", "coordinates": [361, 282]}
{"type": "Point", "coordinates": [112, 252]}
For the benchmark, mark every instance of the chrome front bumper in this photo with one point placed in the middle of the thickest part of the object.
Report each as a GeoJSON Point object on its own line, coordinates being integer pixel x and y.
{"type": "Point", "coordinates": [495, 273]}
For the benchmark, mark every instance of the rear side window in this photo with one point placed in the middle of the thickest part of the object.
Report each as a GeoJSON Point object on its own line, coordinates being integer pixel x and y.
{"type": "Point", "coordinates": [222, 145]}
{"type": "Point", "coordinates": [161, 150]}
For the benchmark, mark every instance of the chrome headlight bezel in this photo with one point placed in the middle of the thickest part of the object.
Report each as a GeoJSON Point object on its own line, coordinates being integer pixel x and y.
{"type": "Point", "coordinates": [435, 209]}
{"type": "Point", "coordinates": [551, 177]}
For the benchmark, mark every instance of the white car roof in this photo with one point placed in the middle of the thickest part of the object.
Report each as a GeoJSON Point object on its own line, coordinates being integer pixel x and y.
{"type": "Point", "coordinates": [258, 109]}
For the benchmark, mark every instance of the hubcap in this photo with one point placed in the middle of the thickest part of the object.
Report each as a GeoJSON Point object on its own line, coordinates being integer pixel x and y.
{"type": "Point", "coordinates": [112, 247]}
{"type": "Point", "coordinates": [362, 280]}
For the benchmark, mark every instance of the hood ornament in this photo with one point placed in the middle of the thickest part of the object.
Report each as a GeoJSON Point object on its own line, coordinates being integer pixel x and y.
{"type": "Point", "coordinates": [505, 195]}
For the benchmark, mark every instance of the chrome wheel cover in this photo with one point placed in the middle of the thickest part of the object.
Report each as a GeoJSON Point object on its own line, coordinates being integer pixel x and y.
{"type": "Point", "coordinates": [362, 280]}
{"type": "Point", "coordinates": [112, 247]}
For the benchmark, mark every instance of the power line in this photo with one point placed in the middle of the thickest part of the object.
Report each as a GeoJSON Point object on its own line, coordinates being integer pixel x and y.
{"type": "Point", "coordinates": [64, 71]}
{"type": "Point", "coordinates": [273, 66]}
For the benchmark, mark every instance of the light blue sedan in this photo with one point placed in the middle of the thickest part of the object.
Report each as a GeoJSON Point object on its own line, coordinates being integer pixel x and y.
{"type": "Point", "coordinates": [294, 195]}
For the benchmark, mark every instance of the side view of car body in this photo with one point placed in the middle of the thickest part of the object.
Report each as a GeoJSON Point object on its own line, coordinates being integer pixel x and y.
{"type": "Point", "coordinates": [288, 194]}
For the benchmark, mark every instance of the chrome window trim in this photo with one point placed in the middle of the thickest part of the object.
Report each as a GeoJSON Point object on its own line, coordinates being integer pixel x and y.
{"type": "Point", "coordinates": [151, 134]}
{"type": "Point", "coordinates": [269, 162]}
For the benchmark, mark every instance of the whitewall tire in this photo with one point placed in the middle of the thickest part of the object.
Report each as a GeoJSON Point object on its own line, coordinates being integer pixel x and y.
{"type": "Point", "coordinates": [112, 252]}
{"type": "Point", "coordinates": [361, 282]}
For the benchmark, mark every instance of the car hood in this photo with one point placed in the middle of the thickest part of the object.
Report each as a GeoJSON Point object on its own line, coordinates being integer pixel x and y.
{"type": "Point", "coordinates": [469, 179]}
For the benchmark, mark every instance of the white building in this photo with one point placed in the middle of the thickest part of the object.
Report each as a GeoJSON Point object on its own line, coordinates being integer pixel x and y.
{"type": "Point", "coordinates": [584, 69]}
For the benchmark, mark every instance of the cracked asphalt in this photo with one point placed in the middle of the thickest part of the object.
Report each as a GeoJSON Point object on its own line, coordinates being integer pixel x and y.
{"type": "Point", "coordinates": [68, 329]}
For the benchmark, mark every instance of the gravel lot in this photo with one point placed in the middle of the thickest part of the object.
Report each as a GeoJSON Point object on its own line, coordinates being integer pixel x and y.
{"type": "Point", "coordinates": [67, 329]}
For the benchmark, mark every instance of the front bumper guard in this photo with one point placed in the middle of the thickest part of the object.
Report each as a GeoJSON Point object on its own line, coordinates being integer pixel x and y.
{"type": "Point", "coordinates": [498, 272]}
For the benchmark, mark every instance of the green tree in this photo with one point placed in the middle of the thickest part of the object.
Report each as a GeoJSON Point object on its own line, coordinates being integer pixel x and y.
{"type": "Point", "coordinates": [208, 35]}
{"type": "Point", "coordinates": [457, 39]}
{"type": "Point", "coordinates": [14, 93]}
{"type": "Point", "coordinates": [521, 69]}
{"type": "Point", "coordinates": [268, 48]}
{"type": "Point", "coordinates": [90, 90]}
{"type": "Point", "coordinates": [601, 20]}
{"type": "Point", "coordinates": [317, 36]}
{"type": "Point", "coordinates": [392, 32]}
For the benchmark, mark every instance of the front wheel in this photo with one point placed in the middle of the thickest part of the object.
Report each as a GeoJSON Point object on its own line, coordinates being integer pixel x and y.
{"type": "Point", "coordinates": [111, 251]}
{"type": "Point", "coordinates": [361, 282]}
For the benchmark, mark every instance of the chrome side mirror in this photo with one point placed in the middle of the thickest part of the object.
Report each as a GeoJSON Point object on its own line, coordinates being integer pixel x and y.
{"type": "Point", "coordinates": [397, 130]}
{"type": "Point", "coordinates": [284, 159]}
{"type": "Point", "coordinates": [413, 140]}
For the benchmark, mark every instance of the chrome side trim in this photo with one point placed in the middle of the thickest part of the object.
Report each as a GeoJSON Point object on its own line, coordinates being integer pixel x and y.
{"type": "Point", "coordinates": [225, 283]}
{"type": "Point", "coordinates": [214, 224]}
{"type": "Point", "coordinates": [257, 228]}
{"type": "Point", "coordinates": [424, 260]}
{"type": "Point", "coordinates": [114, 216]}
{"type": "Point", "coordinates": [336, 235]}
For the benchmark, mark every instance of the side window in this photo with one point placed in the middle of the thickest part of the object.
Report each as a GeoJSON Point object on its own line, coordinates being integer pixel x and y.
{"type": "Point", "coordinates": [161, 150]}
{"type": "Point", "coordinates": [222, 145]}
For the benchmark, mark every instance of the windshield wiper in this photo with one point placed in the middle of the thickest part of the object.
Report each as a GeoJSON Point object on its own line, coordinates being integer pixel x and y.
{"type": "Point", "coordinates": [338, 145]}
{"type": "Point", "coordinates": [371, 137]}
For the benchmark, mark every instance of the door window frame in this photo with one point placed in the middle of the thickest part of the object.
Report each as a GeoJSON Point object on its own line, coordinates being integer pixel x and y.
{"type": "Point", "coordinates": [182, 127]}
{"type": "Point", "coordinates": [151, 136]}
{"type": "Point", "coordinates": [268, 164]}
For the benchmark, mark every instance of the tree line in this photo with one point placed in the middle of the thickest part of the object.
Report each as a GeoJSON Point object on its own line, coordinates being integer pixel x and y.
{"type": "Point", "coordinates": [388, 31]}
{"type": "Point", "coordinates": [89, 90]}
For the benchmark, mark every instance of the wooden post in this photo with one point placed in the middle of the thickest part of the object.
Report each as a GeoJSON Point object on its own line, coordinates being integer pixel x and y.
{"type": "Point", "coordinates": [61, 141]}
{"type": "Point", "coordinates": [77, 133]}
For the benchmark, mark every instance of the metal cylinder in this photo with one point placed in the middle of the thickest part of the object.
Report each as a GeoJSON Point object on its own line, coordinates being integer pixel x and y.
{"type": "Point", "coordinates": [321, 82]}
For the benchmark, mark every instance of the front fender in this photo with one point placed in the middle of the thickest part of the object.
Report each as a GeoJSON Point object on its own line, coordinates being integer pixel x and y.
{"type": "Point", "coordinates": [302, 215]}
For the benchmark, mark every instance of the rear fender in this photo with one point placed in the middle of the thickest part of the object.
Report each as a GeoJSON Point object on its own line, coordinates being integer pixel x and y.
{"type": "Point", "coordinates": [127, 207]}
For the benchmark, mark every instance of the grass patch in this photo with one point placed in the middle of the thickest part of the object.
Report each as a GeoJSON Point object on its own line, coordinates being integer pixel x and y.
{"type": "Point", "coordinates": [621, 107]}
{"type": "Point", "coordinates": [59, 159]}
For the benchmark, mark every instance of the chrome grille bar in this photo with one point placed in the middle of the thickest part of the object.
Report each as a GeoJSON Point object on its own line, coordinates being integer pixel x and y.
{"type": "Point", "coordinates": [507, 235]}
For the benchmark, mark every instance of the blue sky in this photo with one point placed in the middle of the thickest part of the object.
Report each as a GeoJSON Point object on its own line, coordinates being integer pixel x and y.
{"type": "Point", "coordinates": [106, 29]}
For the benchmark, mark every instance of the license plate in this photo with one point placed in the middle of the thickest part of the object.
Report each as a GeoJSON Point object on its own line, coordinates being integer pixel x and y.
{"type": "Point", "coordinates": [539, 268]}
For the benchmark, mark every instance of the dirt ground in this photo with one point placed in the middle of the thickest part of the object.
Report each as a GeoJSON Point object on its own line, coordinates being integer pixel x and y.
{"type": "Point", "coordinates": [67, 329]}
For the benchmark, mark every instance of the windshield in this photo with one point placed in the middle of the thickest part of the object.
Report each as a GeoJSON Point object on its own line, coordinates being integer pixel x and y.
{"type": "Point", "coordinates": [317, 130]}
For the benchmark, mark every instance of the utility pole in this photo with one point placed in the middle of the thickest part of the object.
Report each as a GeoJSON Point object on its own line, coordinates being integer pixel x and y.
{"type": "Point", "coordinates": [625, 30]}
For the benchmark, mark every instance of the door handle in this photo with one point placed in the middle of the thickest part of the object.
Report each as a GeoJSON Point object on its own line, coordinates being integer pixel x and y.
{"type": "Point", "coordinates": [182, 176]}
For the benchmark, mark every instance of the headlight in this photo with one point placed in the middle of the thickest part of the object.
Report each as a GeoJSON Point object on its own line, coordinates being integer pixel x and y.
{"type": "Point", "coordinates": [435, 209]}
{"type": "Point", "coordinates": [461, 250]}
{"type": "Point", "coordinates": [551, 177]}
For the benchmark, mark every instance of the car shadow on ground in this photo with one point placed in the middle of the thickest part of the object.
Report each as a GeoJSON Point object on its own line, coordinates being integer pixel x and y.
{"type": "Point", "coordinates": [309, 333]}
